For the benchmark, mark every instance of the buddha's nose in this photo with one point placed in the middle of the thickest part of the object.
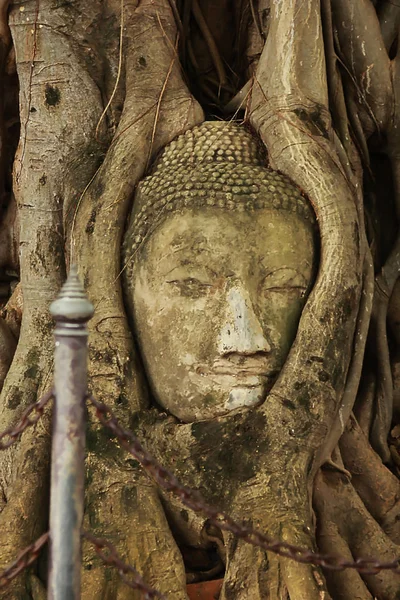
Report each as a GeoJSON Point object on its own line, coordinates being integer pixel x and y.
{"type": "Point", "coordinates": [241, 331]}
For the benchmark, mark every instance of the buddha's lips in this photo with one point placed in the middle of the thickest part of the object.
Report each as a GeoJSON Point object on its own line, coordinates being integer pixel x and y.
{"type": "Point", "coordinates": [242, 372]}
{"type": "Point", "coordinates": [249, 373]}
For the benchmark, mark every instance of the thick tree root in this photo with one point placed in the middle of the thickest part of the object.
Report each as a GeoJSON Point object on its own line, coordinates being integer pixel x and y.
{"type": "Point", "coordinates": [343, 523]}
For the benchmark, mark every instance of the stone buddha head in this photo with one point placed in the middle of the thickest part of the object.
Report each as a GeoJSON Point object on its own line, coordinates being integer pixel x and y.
{"type": "Point", "coordinates": [219, 259]}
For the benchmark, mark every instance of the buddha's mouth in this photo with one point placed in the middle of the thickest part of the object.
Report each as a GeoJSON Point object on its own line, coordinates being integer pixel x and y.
{"type": "Point", "coordinates": [240, 371]}
{"type": "Point", "coordinates": [249, 372]}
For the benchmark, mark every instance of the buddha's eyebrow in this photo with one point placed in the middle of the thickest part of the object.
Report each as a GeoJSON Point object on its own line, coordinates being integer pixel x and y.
{"type": "Point", "coordinates": [183, 262]}
{"type": "Point", "coordinates": [187, 246]}
{"type": "Point", "coordinates": [190, 263]}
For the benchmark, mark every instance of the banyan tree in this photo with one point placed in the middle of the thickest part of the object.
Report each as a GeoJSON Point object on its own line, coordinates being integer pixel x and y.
{"type": "Point", "coordinates": [225, 174]}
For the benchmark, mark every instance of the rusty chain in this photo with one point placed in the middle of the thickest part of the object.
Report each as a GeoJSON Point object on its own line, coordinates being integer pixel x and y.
{"type": "Point", "coordinates": [27, 556]}
{"type": "Point", "coordinates": [135, 581]}
{"type": "Point", "coordinates": [23, 560]}
{"type": "Point", "coordinates": [190, 498]}
{"type": "Point", "coordinates": [13, 433]}
{"type": "Point", "coordinates": [194, 501]}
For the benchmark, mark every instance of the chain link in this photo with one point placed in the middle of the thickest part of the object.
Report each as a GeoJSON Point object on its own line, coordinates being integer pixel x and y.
{"type": "Point", "coordinates": [13, 433]}
{"type": "Point", "coordinates": [112, 559]}
{"type": "Point", "coordinates": [194, 501]}
{"type": "Point", "coordinates": [23, 560]}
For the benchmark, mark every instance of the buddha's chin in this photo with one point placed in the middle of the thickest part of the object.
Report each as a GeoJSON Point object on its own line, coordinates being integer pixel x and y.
{"type": "Point", "coordinates": [240, 397]}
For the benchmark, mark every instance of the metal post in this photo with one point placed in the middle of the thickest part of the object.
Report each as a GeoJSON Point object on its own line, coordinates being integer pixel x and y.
{"type": "Point", "coordinates": [71, 312]}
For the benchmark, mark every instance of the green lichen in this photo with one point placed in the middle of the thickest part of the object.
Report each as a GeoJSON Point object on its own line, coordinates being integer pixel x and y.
{"type": "Point", "coordinates": [101, 442]}
{"type": "Point", "coordinates": [92, 221]}
{"type": "Point", "coordinates": [14, 398]}
{"type": "Point", "coordinates": [129, 498]}
{"type": "Point", "coordinates": [53, 95]}
{"type": "Point", "coordinates": [236, 445]}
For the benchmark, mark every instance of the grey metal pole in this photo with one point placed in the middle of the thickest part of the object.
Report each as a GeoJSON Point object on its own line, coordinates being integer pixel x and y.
{"type": "Point", "coordinates": [71, 312]}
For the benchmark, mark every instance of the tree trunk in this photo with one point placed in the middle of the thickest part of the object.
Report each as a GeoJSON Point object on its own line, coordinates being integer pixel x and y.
{"type": "Point", "coordinates": [103, 87]}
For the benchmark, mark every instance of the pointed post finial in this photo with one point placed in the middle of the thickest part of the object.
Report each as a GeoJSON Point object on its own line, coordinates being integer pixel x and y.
{"type": "Point", "coordinates": [72, 305]}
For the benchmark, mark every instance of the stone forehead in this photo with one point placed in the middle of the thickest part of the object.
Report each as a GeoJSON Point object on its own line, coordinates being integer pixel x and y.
{"type": "Point", "coordinates": [216, 164]}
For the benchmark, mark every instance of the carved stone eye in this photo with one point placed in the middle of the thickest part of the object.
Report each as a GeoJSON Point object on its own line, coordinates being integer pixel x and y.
{"type": "Point", "coordinates": [191, 287]}
{"type": "Point", "coordinates": [284, 280]}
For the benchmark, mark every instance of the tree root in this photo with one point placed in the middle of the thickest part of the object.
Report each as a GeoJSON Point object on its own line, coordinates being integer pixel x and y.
{"type": "Point", "coordinates": [343, 522]}
{"type": "Point", "coordinates": [157, 108]}
{"type": "Point", "coordinates": [377, 487]}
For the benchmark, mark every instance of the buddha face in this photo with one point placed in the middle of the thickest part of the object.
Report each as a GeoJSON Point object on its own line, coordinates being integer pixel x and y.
{"type": "Point", "coordinates": [217, 298]}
